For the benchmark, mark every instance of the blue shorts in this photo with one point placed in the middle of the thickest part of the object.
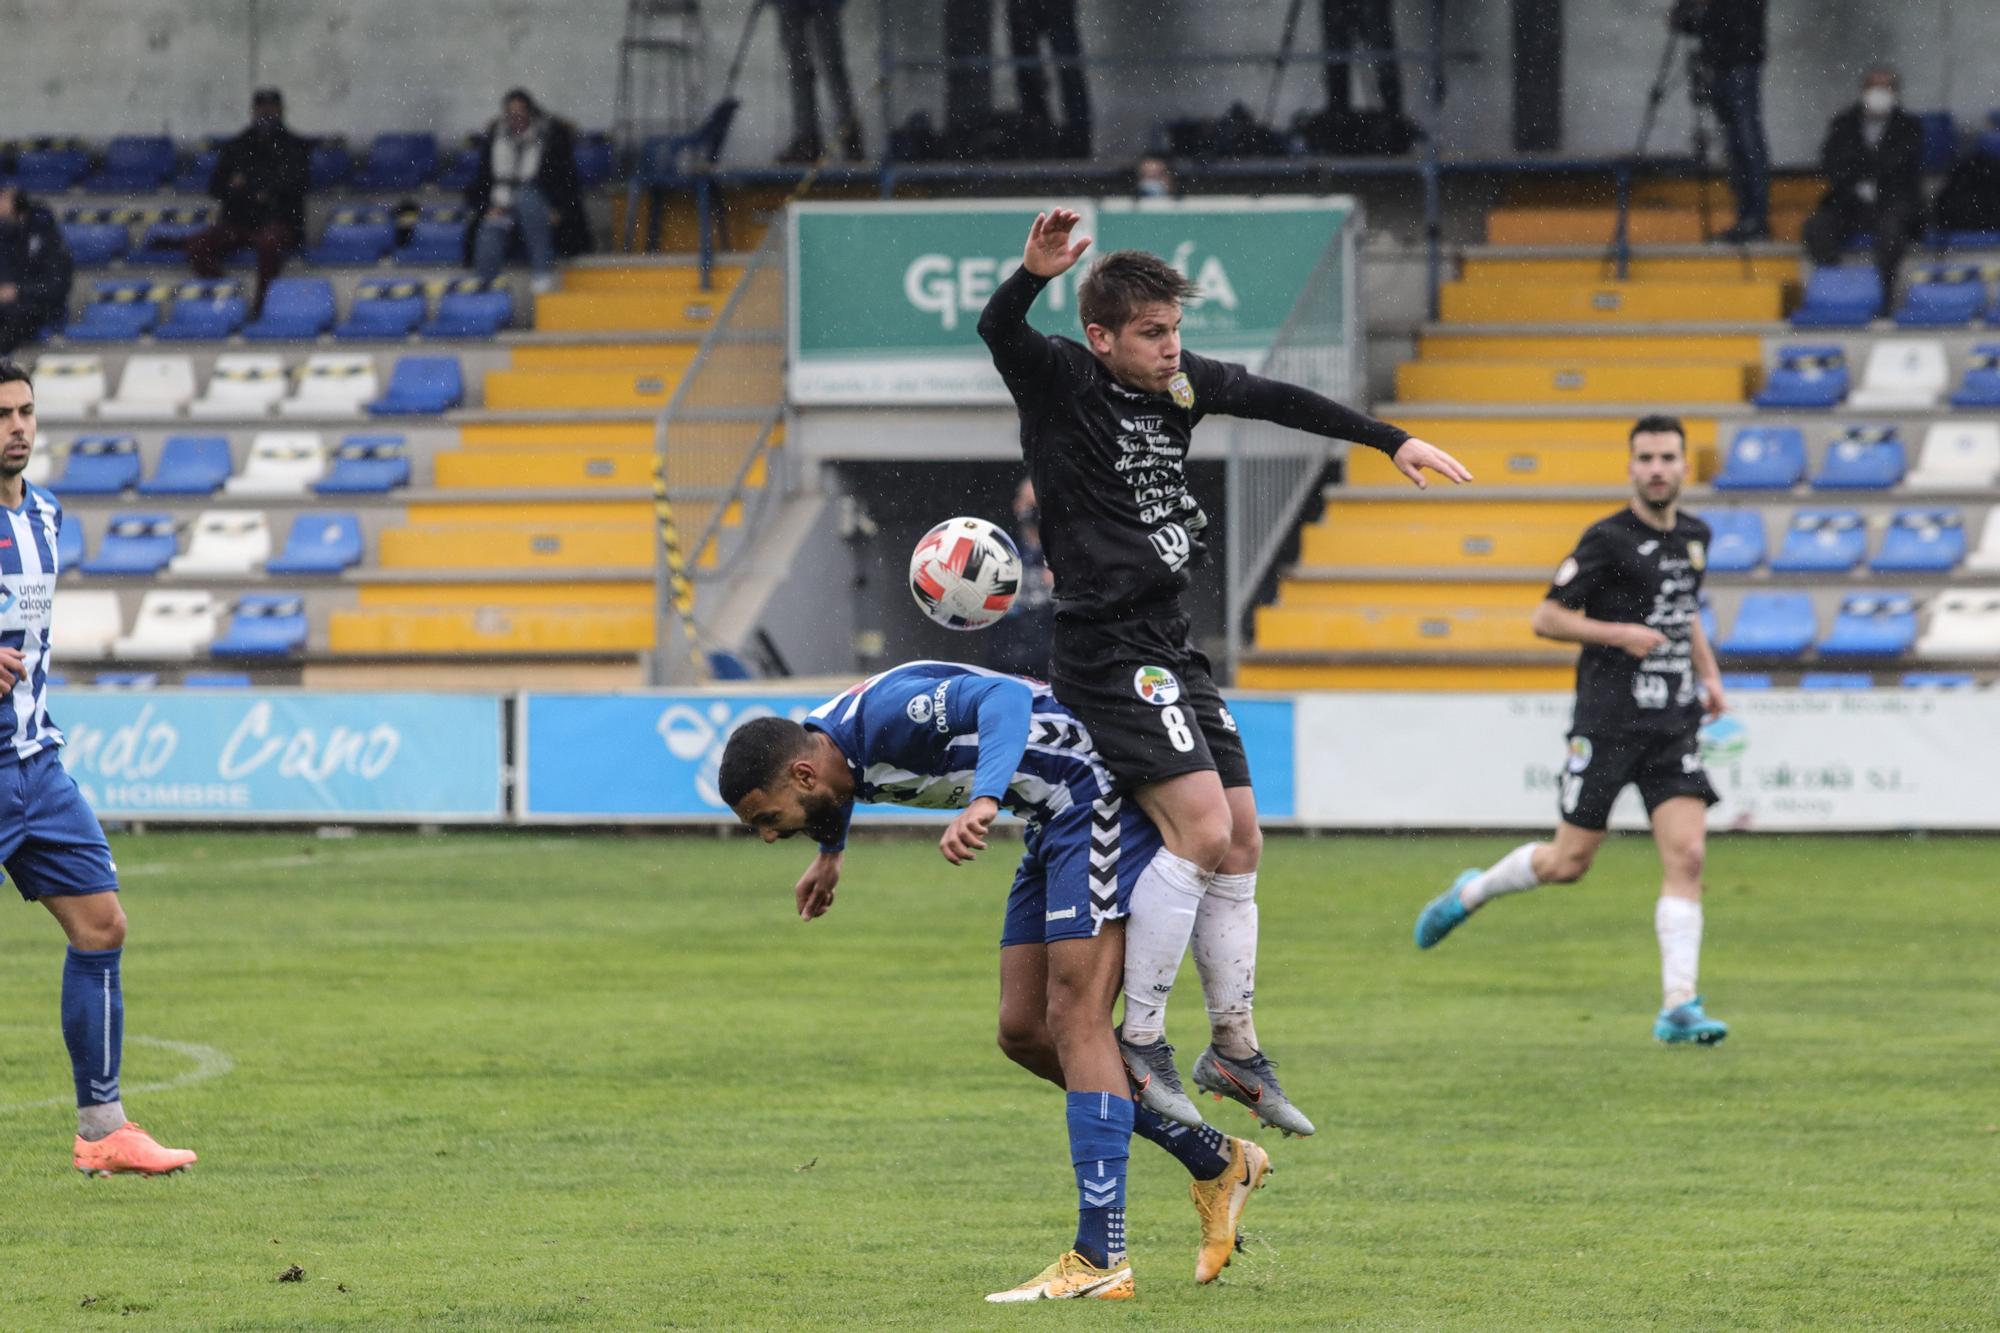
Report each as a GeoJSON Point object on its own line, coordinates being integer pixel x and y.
{"type": "Point", "coordinates": [1078, 872]}
{"type": "Point", "coordinates": [50, 840]}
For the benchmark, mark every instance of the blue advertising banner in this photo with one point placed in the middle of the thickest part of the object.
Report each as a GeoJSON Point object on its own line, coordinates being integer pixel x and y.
{"type": "Point", "coordinates": [654, 756]}
{"type": "Point", "coordinates": [239, 754]}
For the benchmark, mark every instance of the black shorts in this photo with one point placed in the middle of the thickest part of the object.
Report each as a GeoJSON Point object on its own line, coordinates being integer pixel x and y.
{"type": "Point", "coordinates": [1144, 692]}
{"type": "Point", "coordinates": [1664, 764]}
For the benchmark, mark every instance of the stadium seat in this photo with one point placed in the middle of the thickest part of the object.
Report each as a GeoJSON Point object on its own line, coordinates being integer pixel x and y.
{"type": "Point", "coordinates": [1745, 680]}
{"type": "Point", "coordinates": [118, 312]}
{"type": "Point", "coordinates": [280, 463]}
{"type": "Point", "coordinates": [438, 238]}
{"type": "Point", "coordinates": [175, 623]}
{"type": "Point", "coordinates": [1902, 374]}
{"type": "Point", "coordinates": [69, 542]}
{"type": "Point", "coordinates": [1840, 296]}
{"type": "Point", "coordinates": [1763, 458]}
{"type": "Point", "coordinates": [243, 384]}
{"type": "Point", "coordinates": [94, 244]}
{"type": "Point", "coordinates": [1921, 541]}
{"type": "Point", "coordinates": [1939, 680]}
{"type": "Point", "coordinates": [1943, 298]}
{"type": "Point", "coordinates": [42, 462]}
{"type": "Point", "coordinates": [1981, 386]}
{"type": "Point", "coordinates": [127, 680]}
{"type": "Point", "coordinates": [199, 169]}
{"type": "Point", "coordinates": [1736, 540]}
{"type": "Point", "coordinates": [89, 623]}
{"type": "Point", "coordinates": [1864, 458]}
{"type": "Point", "coordinates": [151, 386]}
{"type": "Point", "coordinates": [1822, 541]}
{"type": "Point", "coordinates": [1706, 614]}
{"type": "Point", "coordinates": [398, 162]}
{"type": "Point", "coordinates": [215, 680]}
{"type": "Point", "coordinates": [50, 166]}
{"type": "Point", "coordinates": [320, 542]}
{"type": "Point", "coordinates": [1771, 624]}
{"type": "Point", "coordinates": [1957, 455]}
{"type": "Point", "coordinates": [1964, 623]}
{"type": "Point", "coordinates": [133, 544]}
{"type": "Point", "coordinates": [1805, 376]}
{"type": "Point", "coordinates": [1836, 680]}
{"type": "Point", "coordinates": [595, 158]}
{"type": "Point", "coordinates": [1940, 142]}
{"type": "Point", "coordinates": [265, 625]}
{"type": "Point", "coordinates": [1872, 624]}
{"type": "Point", "coordinates": [330, 163]}
{"type": "Point", "coordinates": [725, 665]}
{"type": "Point", "coordinates": [471, 308]}
{"type": "Point", "coordinates": [166, 237]}
{"type": "Point", "coordinates": [189, 465]}
{"type": "Point", "coordinates": [422, 385]}
{"type": "Point", "coordinates": [294, 308]}
{"type": "Point", "coordinates": [68, 387]}
{"type": "Point", "coordinates": [384, 310]}
{"type": "Point", "coordinates": [99, 465]}
{"type": "Point", "coordinates": [354, 236]}
{"type": "Point", "coordinates": [367, 465]}
{"type": "Point", "coordinates": [1986, 559]}
{"type": "Point", "coordinates": [226, 542]}
{"type": "Point", "coordinates": [204, 312]}
{"type": "Point", "coordinates": [134, 164]}
{"type": "Point", "coordinates": [461, 167]}
{"type": "Point", "coordinates": [332, 384]}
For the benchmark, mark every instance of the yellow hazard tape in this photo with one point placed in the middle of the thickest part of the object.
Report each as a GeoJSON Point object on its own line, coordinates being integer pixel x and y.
{"type": "Point", "coordinates": [680, 585]}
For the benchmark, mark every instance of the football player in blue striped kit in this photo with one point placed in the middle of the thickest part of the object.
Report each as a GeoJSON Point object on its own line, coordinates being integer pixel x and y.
{"type": "Point", "coordinates": [944, 736]}
{"type": "Point", "coordinates": [50, 842]}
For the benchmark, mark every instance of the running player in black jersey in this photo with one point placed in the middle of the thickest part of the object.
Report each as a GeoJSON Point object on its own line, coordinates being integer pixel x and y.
{"type": "Point", "coordinates": [1105, 427]}
{"type": "Point", "coordinates": [1631, 595]}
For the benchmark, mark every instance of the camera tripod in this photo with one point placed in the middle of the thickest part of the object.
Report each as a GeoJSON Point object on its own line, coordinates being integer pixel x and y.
{"type": "Point", "coordinates": [1681, 55]}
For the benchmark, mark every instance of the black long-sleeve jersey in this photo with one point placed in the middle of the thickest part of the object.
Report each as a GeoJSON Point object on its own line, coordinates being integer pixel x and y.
{"type": "Point", "coordinates": [1108, 461]}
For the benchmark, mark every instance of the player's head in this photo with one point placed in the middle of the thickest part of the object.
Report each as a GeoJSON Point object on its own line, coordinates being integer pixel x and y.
{"type": "Point", "coordinates": [1130, 304]}
{"type": "Point", "coordinates": [780, 783]}
{"type": "Point", "coordinates": [1659, 461]}
{"type": "Point", "coordinates": [17, 419]}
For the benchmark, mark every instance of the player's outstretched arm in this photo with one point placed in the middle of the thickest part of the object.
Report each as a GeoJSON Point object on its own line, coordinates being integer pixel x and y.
{"type": "Point", "coordinates": [1230, 389]}
{"type": "Point", "coordinates": [814, 891]}
{"type": "Point", "coordinates": [1020, 353]}
{"type": "Point", "coordinates": [1553, 620]}
{"type": "Point", "coordinates": [1001, 709]}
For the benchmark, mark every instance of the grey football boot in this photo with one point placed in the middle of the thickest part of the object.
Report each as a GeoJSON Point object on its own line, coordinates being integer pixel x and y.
{"type": "Point", "coordinates": [1253, 1083]}
{"type": "Point", "coordinates": [1156, 1084]}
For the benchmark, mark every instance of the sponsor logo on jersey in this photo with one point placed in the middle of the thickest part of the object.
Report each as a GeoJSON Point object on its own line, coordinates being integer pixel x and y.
{"type": "Point", "coordinates": [1182, 390]}
{"type": "Point", "coordinates": [919, 708]}
{"type": "Point", "coordinates": [6, 599]}
{"type": "Point", "coordinates": [1566, 572]}
{"type": "Point", "coordinates": [939, 718]}
{"type": "Point", "coordinates": [1156, 685]}
{"type": "Point", "coordinates": [1172, 544]}
{"type": "Point", "coordinates": [1647, 548]}
{"type": "Point", "coordinates": [1065, 914]}
{"type": "Point", "coordinates": [1579, 753]}
{"type": "Point", "coordinates": [1698, 555]}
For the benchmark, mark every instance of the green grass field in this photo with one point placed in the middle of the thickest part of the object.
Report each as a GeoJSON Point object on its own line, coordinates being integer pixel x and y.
{"type": "Point", "coordinates": [485, 1081]}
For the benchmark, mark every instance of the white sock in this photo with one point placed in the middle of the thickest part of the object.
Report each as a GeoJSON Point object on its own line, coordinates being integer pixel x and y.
{"type": "Point", "coordinates": [97, 1122]}
{"type": "Point", "coordinates": [1512, 873]}
{"type": "Point", "coordinates": [1225, 953]}
{"type": "Point", "coordinates": [1164, 903]}
{"type": "Point", "coordinates": [1677, 921]}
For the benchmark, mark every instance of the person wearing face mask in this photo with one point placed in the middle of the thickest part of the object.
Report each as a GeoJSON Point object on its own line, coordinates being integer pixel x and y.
{"type": "Point", "coordinates": [1872, 158]}
{"type": "Point", "coordinates": [1154, 180]}
{"type": "Point", "coordinates": [35, 269]}
{"type": "Point", "coordinates": [260, 179]}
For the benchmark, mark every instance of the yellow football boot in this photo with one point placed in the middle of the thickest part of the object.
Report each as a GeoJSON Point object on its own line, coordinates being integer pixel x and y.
{"type": "Point", "coordinates": [1221, 1201]}
{"type": "Point", "coordinates": [1072, 1278]}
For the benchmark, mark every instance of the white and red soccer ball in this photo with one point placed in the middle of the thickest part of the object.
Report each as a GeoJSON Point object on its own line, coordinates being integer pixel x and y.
{"type": "Point", "coordinates": [965, 573]}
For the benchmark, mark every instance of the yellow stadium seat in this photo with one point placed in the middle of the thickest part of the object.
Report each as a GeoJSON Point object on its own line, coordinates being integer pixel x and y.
{"type": "Point", "coordinates": [1308, 675]}
{"type": "Point", "coordinates": [1446, 535]}
{"type": "Point", "coordinates": [1607, 345]}
{"type": "Point", "coordinates": [1570, 382]}
{"type": "Point", "coordinates": [1721, 267]}
{"type": "Point", "coordinates": [493, 470]}
{"type": "Point", "coordinates": [645, 390]}
{"type": "Point", "coordinates": [690, 311]}
{"type": "Point", "coordinates": [467, 546]}
{"type": "Point", "coordinates": [1432, 630]}
{"type": "Point", "coordinates": [1611, 302]}
{"type": "Point", "coordinates": [490, 630]}
{"type": "Point", "coordinates": [564, 434]}
{"type": "Point", "coordinates": [649, 279]}
{"type": "Point", "coordinates": [634, 594]}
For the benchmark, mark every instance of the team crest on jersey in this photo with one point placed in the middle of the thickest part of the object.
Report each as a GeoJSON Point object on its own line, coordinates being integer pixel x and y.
{"type": "Point", "coordinates": [1565, 572]}
{"type": "Point", "coordinates": [919, 708]}
{"type": "Point", "coordinates": [1698, 556]}
{"type": "Point", "coordinates": [1579, 753]}
{"type": "Point", "coordinates": [1156, 685]}
{"type": "Point", "coordinates": [1182, 389]}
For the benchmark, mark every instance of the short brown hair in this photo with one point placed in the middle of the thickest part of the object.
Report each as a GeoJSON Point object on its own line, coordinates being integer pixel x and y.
{"type": "Point", "coordinates": [1119, 284]}
{"type": "Point", "coordinates": [1658, 425]}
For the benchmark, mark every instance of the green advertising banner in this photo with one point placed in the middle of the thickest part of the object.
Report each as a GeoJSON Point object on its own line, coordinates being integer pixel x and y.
{"type": "Point", "coordinates": [885, 298]}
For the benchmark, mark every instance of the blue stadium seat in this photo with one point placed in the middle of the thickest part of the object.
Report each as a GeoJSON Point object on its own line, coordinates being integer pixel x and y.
{"type": "Point", "coordinates": [1982, 379]}
{"type": "Point", "coordinates": [1872, 624]}
{"type": "Point", "coordinates": [355, 236]}
{"type": "Point", "coordinates": [134, 544]}
{"type": "Point", "coordinates": [422, 385]}
{"type": "Point", "coordinates": [1921, 541]}
{"type": "Point", "coordinates": [595, 158]}
{"type": "Point", "coordinates": [398, 162]}
{"type": "Point", "coordinates": [99, 465]}
{"type": "Point", "coordinates": [384, 310]}
{"type": "Point", "coordinates": [190, 465]}
{"type": "Point", "coordinates": [69, 541]}
{"type": "Point", "coordinates": [1706, 614]}
{"type": "Point", "coordinates": [204, 311]}
{"type": "Point", "coordinates": [1864, 458]}
{"type": "Point", "coordinates": [134, 164]}
{"type": "Point", "coordinates": [1940, 142]}
{"type": "Point", "coordinates": [1969, 240]}
{"type": "Point", "coordinates": [1939, 680]}
{"type": "Point", "coordinates": [1808, 376]}
{"type": "Point", "coordinates": [1745, 680]}
{"type": "Point", "coordinates": [725, 665]}
{"type": "Point", "coordinates": [438, 238]}
{"type": "Point", "coordinates": [49, 166]}
{"type": "Point", "coordinates": [330, 163]}
{"type": "Point", "coordinates": [119, 312]}
{"type": "Point", "coordinates": [471, 308]}
{"type": "Point", "coordinates": [216, 680]}
{"type": "Point", "coordinates": [367, 465]}
{"type": "Point", "coordinates": [1772, 624]}
{"type": "Point", "coordinates": [194, 175]}
{"type": "Point", "coordinates": [320, 542]}
{"type": "Point", "coordinates": [294, 308]}
{"type": "Point", "coordinates": [1836, 680]}
{"type": "Point", "coordinates": [1763, 458]}
{"type": "Point", "coordinates": [94, 244]}
{"type": "Point", "coordinates": [166, 237]}
{"type": "Point", "coordinates": [1822, 541]}
{"type": "Point", "coordinates": [1736, 540]}
{"type": "Point", "coordinates": [462, 167]}
{"type": "Point", "coordinates": [127, 680]}
{"type": "Point", "coordinates": [265, 625]}
{"type": "Point", "coordinates": [1943, 298]}
{"type": "Point", "coordinates": [1840, 296]}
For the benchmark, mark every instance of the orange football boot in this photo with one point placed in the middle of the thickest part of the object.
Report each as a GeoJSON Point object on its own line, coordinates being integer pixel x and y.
{"type": "Point", "coordinates": [129, 1150]}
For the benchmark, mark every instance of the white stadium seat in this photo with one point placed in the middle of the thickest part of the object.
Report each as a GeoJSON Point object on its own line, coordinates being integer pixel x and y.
{"type": "Point", "coordinates": [281, 462]}
{"type": "Point", "coordinates": [225, 541]}
{"type": "Point", "coordinates": [174, 623]}
{"type": "Point", "coordinates": [1957, 455]}
{"type": "Point", "coordinates": [1985, 557]}
{"type": "Point", "coordinates": [244, 384]}
{"type": "Point", "coordinates": [333, 384]}
{"type": "Point", "coordinates": [41, 463]}
{"type": "Point", "coordinates": [152, 386]}
{"type": "Point", "coordinates": [1965, 622]}
{"type": "Point", "coordinates": [68, 388]}
{"type": "Point", "coordinates": [1903, 373]}
{"type": "Point", "coordinates": [86, 623]}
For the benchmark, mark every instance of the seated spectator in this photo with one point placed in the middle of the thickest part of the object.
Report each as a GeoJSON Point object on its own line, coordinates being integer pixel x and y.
{"type": "Point", "coordinates": [1872, 158]}
{"type": "Point", "coordinates": [1154, 179]}
{"type": "Point", "coordinates": [35, 269]}
{"type": "Point", "coordinates": [802, 24]}
{"type": "Point", "coordinates": [526, 192]}
{"type": "Point", "coordinates": [260, 179]}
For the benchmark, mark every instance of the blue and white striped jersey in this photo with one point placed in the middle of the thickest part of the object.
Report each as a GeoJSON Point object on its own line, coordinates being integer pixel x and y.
{"type": "Point", "coordinates": [27, 597]}
{"type": "Point", "coordinates": [940, 735]}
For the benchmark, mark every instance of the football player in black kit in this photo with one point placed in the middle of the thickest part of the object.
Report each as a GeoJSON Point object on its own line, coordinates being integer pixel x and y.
{"type": "Point", "coordinates": [1631, 595]}
{"type": "Point", "coordinates": [1105, 428]}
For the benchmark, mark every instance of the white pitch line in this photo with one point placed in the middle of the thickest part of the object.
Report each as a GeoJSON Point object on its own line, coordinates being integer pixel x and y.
{"type": "Point", "coordinates": [209, 1063]}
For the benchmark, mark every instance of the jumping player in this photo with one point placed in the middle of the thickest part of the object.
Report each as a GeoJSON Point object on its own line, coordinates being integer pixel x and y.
{"type": "Point", "coordinates": [942, 736]}
{"type": "Point", "coordinates": [1631, 595]}
{"type": "Point", "coordinates": [1105, 428]}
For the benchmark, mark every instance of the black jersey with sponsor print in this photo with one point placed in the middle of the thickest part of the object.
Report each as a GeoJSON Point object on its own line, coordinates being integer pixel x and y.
{"type": "Point", "coordinates": [1108, 462]}
{"type": "Point", "coordinates": [1627, 571]}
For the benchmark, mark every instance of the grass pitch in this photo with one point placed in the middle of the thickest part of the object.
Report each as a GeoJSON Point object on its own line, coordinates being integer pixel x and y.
{"type": "Point", "coordinates": [486, 1081]}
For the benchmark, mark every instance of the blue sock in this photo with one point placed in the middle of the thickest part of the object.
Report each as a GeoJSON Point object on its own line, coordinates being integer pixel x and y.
{"type": "Point", "coordinates": [93, 1023]}
{"type": "Point", "coordinates": [1100, 1138]}
{"type": "Point", "coordinates": [1204, 1151]}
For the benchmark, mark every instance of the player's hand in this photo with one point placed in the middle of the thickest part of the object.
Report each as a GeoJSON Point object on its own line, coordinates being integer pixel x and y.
{"type": "Point", "coordinates": [967, 833]}
{"type": "Point", "coordinates": [1716, 705]}
{"type": "Point", "coordinates": [1050, 250]}
{"type": "Point", "coordinates": [1414, 455]}
{"type": "Point", "coordinates": [1639, 640]}
{"type": "Point", "coordinates": [12, 668]}
{"type": "Point", "coordinates": [814, 891]}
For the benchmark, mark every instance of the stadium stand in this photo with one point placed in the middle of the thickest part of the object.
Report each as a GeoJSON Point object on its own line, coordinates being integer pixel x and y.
{"type": "Point", "coordinates": [383, 310]}
{"type": "Point", "coordinates": [1814, 376]}
{"type": "Point", "coordinates": [89, 624]}
{"type": "Point", "coordinates": [320, 542]}
{"type": "Point", "coordinates": [422, 386]}
{"type": "Point", "coordinates": [1957, 455]}
{"type": "Point", "coordinates": [264, 625]}
{"type": "Point", "coordinates": [1902, 375]}
{"type": "Point", "coordinates": [1840, 296]}
{"type": "Point", "coordinates": [204, 312]}
{"type": "Point", "coordinates": [1764, 459]}
{"type": "Point", "coordinates": [1981, 386]}
{"type": "Point", "coordinates": [229, 542]}
{"type": "Point", "coordinates": [1771, 624]}
{"type": "Point", "coordinates": [134, 164]}
{"type": "Point", "coordinates": [366, 465]}
{"type": "Point", "coordinates": [242, 384]}
{"type": "Point", "coordinates": [1946, 297]}
{"type": "Point", "coordinates": [134, 544]}
{"type": "Point", "coordinates": [1822, 541]}
{"type": "Point", "coordinates": [189, 465]}
{"type": "Point", "coordinates": [280, 463]}
{"type": "Point", "coordinates": [437, 238]}
{"type": "Point", "coordinates": [1921, 541]}
{"type": "Point", "coordinates": [398, 162]}
{"type": "Point", "coordinates": [151, 386]}
{"type": "Point", "coordinates": [1872, 624]}
{"type": "Point", "coordinates": [175, 623]}
{"type": "Point", "coordinates": [1964, 623]}
{"type": "Point", "coordinates": [1862, 459]}
{"type": "Point", "coordinates": [99, 465]}
{"type": "Point", "coordinates": [332, 384]}
{"type": "Point", "coordinates": [363, 235]}
{"type": "Point", "coordinates": [295, 309]}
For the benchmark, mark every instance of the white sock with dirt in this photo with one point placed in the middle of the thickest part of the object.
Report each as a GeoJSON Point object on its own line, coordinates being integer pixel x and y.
{"type": "Point", "coordinates": [1512, 873]}
{"type": "Point", "coordinates": [1677, 921]}
{"type": "Point", "coordinates": [1225, 953]}
{"type": "Point", "coordinates": [1163, 908]}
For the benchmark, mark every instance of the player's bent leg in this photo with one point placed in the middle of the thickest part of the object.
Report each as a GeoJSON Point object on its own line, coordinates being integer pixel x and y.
{"type": "Point", "coordinates": [1681, 834]}
{"type": "Point", "coordinates": [1191, 812]}
{"type": "Point", "coordinates": [1564, 859]}
{"type": "Point", "coordinates": [1024, 1031]}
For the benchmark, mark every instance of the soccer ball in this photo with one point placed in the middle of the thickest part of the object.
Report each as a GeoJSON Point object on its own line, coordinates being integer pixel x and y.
{"type": "Point", "coordinates": [964, 573]}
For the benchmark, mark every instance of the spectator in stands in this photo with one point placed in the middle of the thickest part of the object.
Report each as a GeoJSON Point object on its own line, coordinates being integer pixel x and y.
{"type": "Point", "coordinates": [35, 269]}
{"type": "Point", "coordinates": [1348, 25]}
{"type": "Point", "coordinates": [1021, 640]}
{"type": "Point", "coordinates": [1873, 160]}
{"type": "Point", "coordinates": [801, 24]}
{"type": "Point", "coordinates": [968, 81]}
{"type": "Point", "coordinates": [1733, 47]}
{"type": "Point", "coordinates": [1154, 179]}
{"type": "Point", "coordinates": [260, 178]}
{"type": "Point", "coordinates": [526, 191]}
{"type": "Point", "coordinates": [1029, 24]}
